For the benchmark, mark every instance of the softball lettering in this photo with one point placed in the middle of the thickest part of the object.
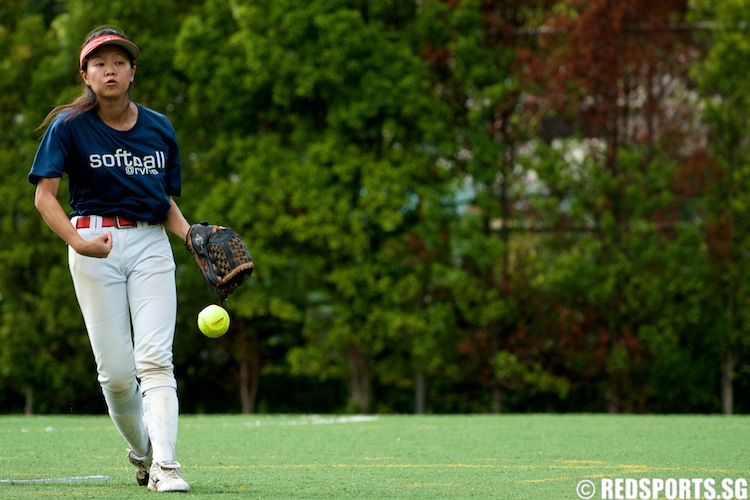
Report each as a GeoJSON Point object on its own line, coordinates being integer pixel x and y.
{"type": "Point", "coordinates": [133, 165]}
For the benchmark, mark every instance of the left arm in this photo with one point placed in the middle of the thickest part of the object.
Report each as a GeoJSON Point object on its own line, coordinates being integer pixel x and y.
{"type": "Point", "coordinates": [175, 221]}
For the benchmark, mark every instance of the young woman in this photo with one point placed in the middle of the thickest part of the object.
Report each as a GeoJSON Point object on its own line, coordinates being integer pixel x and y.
{"type": "Point", "coordinates": [123, 167]}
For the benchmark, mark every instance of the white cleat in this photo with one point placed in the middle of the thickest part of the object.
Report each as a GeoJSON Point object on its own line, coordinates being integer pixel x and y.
{"type": "Point", "coordinates": [165, 477]}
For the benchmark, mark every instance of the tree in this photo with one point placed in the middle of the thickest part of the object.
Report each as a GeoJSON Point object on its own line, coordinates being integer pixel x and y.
{"type": "Point", "coordinates": [611, 82]}
{"type": "Point", "coordinates": [39, 327]}
{"type": "Point", "coordinates": [336, 106]}
{"type": "Point", "coordinates": [723, 81]}
{"type": "Point", "coordinates": [453, 206]}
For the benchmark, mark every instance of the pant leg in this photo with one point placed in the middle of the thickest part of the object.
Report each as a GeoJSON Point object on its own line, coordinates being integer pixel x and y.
{"type": "Point", "coordinates": [152, 298]}
{"type": "Point", "coordinates": [101, 290]}
{"type": "Point", "coordinates": [153, 306]}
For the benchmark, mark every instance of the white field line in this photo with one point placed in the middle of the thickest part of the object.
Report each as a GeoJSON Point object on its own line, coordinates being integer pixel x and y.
{"type": "Point", "coordinates": [81, 479]}
{"type": "Point", "coordinates": [319, 420]}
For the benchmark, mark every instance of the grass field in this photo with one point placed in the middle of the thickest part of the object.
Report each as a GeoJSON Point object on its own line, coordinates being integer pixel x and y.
{"type": "Point", "coordinates": [480, 456]}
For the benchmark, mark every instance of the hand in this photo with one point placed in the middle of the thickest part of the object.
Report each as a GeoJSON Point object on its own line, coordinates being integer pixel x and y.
{"type": "Point", "coordinates": [98, 247]}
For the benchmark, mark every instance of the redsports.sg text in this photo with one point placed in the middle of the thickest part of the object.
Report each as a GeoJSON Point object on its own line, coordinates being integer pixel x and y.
{"type": "Point", "coordinates": [671, 489]}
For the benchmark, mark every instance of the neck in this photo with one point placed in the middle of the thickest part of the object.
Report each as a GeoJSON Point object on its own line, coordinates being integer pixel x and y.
{"type": "Point", "coordinates": [120, 115]}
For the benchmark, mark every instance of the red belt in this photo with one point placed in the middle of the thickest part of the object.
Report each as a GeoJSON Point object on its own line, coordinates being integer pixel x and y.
{"type": "Point", "coordinates": [118, 222]}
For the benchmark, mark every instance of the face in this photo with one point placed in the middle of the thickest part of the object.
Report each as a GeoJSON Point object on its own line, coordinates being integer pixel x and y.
{"type": "Point", "coordinates": [109, 72]}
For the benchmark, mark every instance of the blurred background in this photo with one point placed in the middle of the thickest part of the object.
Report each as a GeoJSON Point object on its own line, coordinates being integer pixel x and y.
{"type": "Point", "coordinates": [454, 206]}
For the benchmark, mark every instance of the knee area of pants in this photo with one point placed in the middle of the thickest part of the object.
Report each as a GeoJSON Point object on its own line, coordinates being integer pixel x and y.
{"type": "Point", "coordinates": [119, 390]}
{"type": "Point", "coordinates": [153, 379]}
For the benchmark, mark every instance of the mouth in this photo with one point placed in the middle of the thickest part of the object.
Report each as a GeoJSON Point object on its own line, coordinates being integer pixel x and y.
{"type": "Point", "coordinates": [111, 82]}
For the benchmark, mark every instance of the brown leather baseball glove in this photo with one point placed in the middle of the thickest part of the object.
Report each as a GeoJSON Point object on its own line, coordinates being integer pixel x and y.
{"type": "Point", "coordinates": [221, 255]}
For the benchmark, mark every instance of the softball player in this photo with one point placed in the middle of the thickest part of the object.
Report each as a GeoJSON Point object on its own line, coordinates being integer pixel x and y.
{"type": "Point", "coordinates": [123, 167]}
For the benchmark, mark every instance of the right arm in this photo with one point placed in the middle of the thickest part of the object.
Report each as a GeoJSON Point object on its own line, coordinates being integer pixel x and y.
{"type": "Point", "coordinates": [45, 201]}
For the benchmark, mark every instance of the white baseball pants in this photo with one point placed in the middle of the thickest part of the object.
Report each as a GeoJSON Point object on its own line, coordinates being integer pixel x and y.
{"type": "Point", "coordinates": [129, 305]}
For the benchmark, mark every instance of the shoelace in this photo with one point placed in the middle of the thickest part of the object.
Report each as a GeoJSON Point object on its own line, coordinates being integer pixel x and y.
{"type": "Point", "coordinates": [170, 473]}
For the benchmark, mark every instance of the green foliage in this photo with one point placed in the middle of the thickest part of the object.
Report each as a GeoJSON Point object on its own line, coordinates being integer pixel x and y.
{"type": "Point", "coordinates": [41, 326]}
{"type": "Point", "coordinates": [722, 79]}
{"type": "Point", "coordinates": [444, 203]}
{"type": "Point", "coordinates": [535, 377]}
{"type": "Point", "coordinates": [339, 110]}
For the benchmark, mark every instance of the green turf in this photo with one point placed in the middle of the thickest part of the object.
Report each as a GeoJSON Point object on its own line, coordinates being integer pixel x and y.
{"type": "Point", "coordinates": [480, 456]}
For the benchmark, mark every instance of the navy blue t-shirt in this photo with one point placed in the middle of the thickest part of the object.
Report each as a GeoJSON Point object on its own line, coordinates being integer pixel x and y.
{"type": "Point", "coordinates": [111, 172]}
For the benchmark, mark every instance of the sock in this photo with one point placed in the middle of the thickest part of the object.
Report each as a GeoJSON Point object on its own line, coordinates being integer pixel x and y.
{"type": "Point", "coordinates": [126, 411]}
{"type": "Point", "coordinates": [160, 411]}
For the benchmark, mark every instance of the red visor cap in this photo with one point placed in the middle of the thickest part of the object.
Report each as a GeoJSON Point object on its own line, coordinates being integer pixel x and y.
{"type": "Point", "coordinates": [109, 40]}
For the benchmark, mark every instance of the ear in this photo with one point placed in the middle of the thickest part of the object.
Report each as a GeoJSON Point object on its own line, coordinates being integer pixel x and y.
{"type": "Point", "coordinates": [132, 72]}
{"type": "Point", "coordinates": [85, 77]}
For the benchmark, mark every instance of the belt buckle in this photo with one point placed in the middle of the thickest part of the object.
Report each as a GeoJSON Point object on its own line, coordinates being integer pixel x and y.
{"type": "Point", "coordinates": [118, 225]}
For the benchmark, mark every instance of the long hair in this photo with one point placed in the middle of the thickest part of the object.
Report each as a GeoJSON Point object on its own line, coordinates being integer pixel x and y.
{"type": "Point", "coordinates": [87, 100]}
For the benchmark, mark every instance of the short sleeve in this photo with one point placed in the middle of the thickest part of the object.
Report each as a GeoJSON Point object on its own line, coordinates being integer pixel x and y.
{"type": "Point", "coordinates": [54, 149]}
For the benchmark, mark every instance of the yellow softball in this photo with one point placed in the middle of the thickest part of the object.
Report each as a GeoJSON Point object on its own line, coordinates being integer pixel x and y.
{"type": "Point", "coordinates": [213, 321]}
